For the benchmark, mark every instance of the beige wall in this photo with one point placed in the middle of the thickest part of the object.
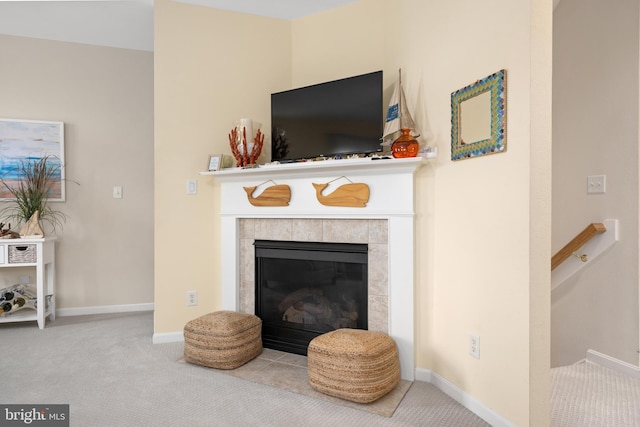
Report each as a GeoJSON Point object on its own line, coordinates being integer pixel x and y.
{"type": "Point", "coordinates": [476, 217]}
{"type": "Point", "coordinates": [211, 69]}
{"type": "Point", "coordinates": [595, 116]}
{"type": "Point", "coordinates": [483, 231]}
{"type": "Point", "coordinates": [354, 45]}
{"type": "Point", "coordinates": [104, 96]}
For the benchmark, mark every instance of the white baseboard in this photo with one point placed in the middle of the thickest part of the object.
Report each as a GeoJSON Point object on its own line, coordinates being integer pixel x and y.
{"type": "Point", "coordinates": [613, 363]}
{"type": "Point", "coordinates": [104, 309]}
{"type": "Point", "coordinates": [158, 338]}
{"type": "Point", "coordinates": [460, 396]}
{"type": "Point", "coordinates": [167, 337]}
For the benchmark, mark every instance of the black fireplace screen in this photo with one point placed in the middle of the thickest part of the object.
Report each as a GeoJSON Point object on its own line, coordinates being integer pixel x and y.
{"type": "Point", "coordinates": [304, 289]}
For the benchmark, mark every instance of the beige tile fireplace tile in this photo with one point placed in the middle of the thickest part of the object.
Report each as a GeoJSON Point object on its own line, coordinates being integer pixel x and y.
{"type": "Point", "coordinates": [246, 228]}
{"type": "Point", "coordinates": [247, 297]}
{"type": "Point", "coordinates": [273, 229]}
{"type": "Point", "coordinates": [378, 231]}
{"type": "Point", "coordinates": [273, 369]}
{"type": "Point", "coordinates": [378, 288]}
{"type": "Point", "coordinates": [306, 230]}
{"type": "Point", "coordinates": [346, 230]}
{"type": "Point", "coordinates": [378, 313]}
{"type": "Point", "coordinates": [246, 262]}
{"type": "Point", "coordinates": [294, 359]}
{"type": "Point", "coordinates": [378, 262]}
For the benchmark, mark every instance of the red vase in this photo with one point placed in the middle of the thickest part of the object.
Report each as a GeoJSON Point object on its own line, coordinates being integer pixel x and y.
{"type": "Point", "coordinates": [405, 146]}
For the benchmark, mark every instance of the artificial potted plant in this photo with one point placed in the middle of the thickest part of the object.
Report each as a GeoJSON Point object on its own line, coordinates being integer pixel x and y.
{"type": "Point", "coordinates": [31, 205]}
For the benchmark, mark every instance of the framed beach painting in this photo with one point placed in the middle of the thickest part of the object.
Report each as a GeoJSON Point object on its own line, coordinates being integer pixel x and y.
{"type": "Point", "coordinates": [24, 141]}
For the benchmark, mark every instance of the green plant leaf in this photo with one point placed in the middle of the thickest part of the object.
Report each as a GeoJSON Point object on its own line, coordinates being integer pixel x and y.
{"type": "Point", "coordinates": [36, 178]}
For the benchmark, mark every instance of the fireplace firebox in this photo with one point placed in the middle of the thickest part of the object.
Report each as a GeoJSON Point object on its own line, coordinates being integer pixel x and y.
{"type": "Point", "coordinates": [304, 289]}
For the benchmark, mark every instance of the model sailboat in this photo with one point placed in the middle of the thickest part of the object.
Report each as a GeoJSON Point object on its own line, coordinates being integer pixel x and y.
{"type": "Point", "coordinates": [399, 125]}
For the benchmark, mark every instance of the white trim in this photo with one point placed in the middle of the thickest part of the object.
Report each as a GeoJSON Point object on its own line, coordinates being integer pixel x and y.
{"type": "Point", "coordinates": [613, 363]}
{"type": "Point", "coordinates": [423, 375]}
{"type": "Point", "coordinates": [463, 398]}
{"type": "Point", "coordinates": [167, 337]}
{"type": "Point", "coordinates": [104, 309]}
{"type": "Point", "coordinates": [400, 290]}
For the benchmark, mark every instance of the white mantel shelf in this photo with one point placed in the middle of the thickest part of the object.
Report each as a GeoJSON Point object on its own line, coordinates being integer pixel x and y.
{"type": "Point", "coordinates": [321, 168]}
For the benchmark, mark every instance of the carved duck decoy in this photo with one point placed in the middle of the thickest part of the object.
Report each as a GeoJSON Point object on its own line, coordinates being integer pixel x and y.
{"type": "Point", "coordinates": [351, 195]}
{"type": "Point", "coordinates": [278, 195]}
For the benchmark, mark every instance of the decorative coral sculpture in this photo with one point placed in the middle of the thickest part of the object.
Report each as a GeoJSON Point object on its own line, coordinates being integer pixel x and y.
{"type": "Point", "coordinates": [239, 147]}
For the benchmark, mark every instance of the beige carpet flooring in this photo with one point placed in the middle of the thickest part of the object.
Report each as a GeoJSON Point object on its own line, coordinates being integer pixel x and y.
{"type": "Point", "coordinates": [590, 395]}
{"type": "Point", "coordinates": [107, 370]}
{"type": "Point", "coordinates": [289, 372]}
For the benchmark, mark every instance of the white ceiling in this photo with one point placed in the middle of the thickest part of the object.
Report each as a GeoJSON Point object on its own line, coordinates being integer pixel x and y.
{"type": "Point", "coordinates": [282, 9]}
{"type": "Point", "coordinates": [127, 23]}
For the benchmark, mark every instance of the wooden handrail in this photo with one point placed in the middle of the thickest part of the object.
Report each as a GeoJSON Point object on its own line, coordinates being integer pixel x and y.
{"type": "Point", "coordinates": [577, 242]}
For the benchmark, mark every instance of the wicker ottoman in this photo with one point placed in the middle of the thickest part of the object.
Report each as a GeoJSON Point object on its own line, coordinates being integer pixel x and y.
{"type": "Point", "coordinates": [223, 339]}
{"type": "Point", "coordinates": [353, 364]}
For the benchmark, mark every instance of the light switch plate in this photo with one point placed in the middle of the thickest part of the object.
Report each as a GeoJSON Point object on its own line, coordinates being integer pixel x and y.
{"type": "Point", "coordinates": [117, 192]}
{"type": "Point", "coordinates": [596, 184]}
{"type": "Point", "coordinates": [192, 186]}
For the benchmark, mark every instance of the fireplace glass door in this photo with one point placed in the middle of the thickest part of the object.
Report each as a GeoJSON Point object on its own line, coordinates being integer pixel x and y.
{"type": "Point", "coordinates": [304, 289]}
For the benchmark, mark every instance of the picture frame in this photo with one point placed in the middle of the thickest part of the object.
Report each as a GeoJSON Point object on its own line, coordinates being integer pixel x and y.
{"type": "Point", "coordinates": [479, 118]}
{"type": "Point", "coordinates": [215, 162]}
{"type": "Point", "coordinates": [28, 141]}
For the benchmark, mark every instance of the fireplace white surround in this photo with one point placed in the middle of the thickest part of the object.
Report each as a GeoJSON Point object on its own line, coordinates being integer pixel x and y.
{"type": "Point", "coordinates": [391, 184]}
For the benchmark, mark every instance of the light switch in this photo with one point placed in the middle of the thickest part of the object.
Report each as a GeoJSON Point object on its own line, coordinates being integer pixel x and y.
{"type": "Point", "coordinates": [192, 186]}
{"type": "Point", "coordinates": [596, 184]}
{"type": "Point", "coordinates": [117, 192]}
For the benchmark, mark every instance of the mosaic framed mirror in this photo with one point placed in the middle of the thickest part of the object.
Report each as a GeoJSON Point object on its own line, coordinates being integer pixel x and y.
{"type": "Point", "coordinates": [479, 118]}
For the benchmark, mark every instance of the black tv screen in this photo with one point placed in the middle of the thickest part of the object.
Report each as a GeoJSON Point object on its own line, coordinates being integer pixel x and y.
{"type": "Point", "coordinates": [329, 119]}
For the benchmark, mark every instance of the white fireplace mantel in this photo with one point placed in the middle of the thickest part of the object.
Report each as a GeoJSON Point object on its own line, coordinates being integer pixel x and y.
{"type": "Point", "coordinates": [391, 186]}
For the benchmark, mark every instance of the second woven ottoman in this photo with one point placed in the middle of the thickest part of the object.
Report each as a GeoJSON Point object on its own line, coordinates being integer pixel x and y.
{"type": "Point", "coordinates": [223, 339]}
{"type": "Point", "coordinates": [353, 364]}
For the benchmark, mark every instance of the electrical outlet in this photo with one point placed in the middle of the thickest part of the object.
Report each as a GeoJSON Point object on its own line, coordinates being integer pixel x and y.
{"type": "Point", "coordinates": [192, 298]}
{"type": "Point", "coordinates": [474, 346]}
{"type": "Point", "coordinates": [25, 280]}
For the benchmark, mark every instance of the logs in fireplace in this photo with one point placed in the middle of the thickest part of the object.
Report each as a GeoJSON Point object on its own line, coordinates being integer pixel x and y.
{"type": "Point", "coordinates": [304, 289]}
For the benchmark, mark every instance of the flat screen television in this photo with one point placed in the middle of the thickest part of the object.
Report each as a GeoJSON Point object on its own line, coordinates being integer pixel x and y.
{"type": "Point", "coordinates": [331, 119]}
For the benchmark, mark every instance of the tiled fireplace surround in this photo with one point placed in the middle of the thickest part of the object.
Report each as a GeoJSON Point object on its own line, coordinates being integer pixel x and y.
{"type": "Point", "coordinates": [372, 231]}
{"type": "Point", "coordinates": [386, 224]}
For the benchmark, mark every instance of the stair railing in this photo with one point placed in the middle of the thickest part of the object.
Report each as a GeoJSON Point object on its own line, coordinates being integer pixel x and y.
{"type": "Point", "coordinates": [576, 243]}
{"type": "Point", "coordinates": [589, 246]}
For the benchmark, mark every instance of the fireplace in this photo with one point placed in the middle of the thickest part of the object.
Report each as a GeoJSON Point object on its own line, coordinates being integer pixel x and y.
{"type": "Point", "coordinates": [386, 224]}
{"type": "Point", "coordinates": [304, 289]}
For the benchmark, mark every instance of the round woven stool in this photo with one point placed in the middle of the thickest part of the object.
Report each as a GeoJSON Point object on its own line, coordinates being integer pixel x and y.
{"type": "Point", "coordinates": [223, 339]}
{"type": "Point", "coordinates": [353, 364]}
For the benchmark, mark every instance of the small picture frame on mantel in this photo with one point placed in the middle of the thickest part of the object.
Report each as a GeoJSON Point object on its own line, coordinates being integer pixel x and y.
{"type": "Point", "coordinates": [215, 162]}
